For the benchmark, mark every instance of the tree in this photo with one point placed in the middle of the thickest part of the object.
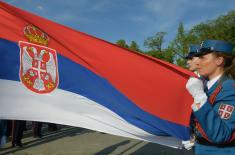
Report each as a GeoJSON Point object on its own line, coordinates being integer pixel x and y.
{"type": "Point", "coordinates": [180, 44]}
{"type": "Point", "coordinates": [122, 43]}
{"type": "Point", "coordinates": [222, 28]}
{"type": "Point", "coordinates": [166, 55]}
{"type": "Point", "coordinates": [155, 42]}
{"type": "Point", "coordinates": [134, 46]}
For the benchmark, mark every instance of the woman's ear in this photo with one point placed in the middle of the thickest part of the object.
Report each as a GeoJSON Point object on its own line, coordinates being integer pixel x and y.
{"type": "Point", "coordinates": [220, 61]}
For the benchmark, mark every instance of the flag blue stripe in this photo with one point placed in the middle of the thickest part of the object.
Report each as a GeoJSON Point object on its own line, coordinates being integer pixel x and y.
{"type": "Point", "coordinates": [77, 79]}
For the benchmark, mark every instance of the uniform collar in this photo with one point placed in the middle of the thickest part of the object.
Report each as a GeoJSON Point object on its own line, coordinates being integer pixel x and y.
{"type": "Point", "coordinates": [211, 82]}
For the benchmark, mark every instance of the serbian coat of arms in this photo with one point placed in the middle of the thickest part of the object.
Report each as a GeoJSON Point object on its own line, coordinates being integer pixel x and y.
{"type": "Point", "coordinates": [38, 63]}
{"type": "Point", "coordinates": [225, 111]}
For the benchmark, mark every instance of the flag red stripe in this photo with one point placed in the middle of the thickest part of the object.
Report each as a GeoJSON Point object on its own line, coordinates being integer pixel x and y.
{"type": "Point", "coordinates": [156, 86]}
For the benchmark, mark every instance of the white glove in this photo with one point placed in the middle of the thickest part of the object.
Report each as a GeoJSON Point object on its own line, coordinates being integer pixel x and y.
{"type": "Point", "coordinates": [188, 144]}
{"type": "Point", "coordinates": [196, 89]}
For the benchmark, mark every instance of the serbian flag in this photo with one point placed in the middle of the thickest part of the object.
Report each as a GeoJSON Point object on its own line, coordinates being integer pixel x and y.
{"type": "Point", "coordinates": [52, 73]}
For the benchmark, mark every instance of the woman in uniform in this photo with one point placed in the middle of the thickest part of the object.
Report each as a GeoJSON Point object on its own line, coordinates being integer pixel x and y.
{"type": "Point", "coordinates": [214, 101]}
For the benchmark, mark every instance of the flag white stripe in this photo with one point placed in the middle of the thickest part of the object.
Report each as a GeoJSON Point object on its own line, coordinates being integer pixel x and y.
{"type": "Point", "coordinates": [63, 107]}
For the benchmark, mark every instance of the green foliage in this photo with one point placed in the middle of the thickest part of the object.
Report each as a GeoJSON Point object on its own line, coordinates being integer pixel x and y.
{"type": "Point", "coordinates": [180, 42]}
{"type": "Point", "coordinates": [181, 62]}
{"type": "Point", "coordinates": [155, 42]}
{"type": "Point", "coordinates": [122, 43]}
{"type": "Point", "coordinates": [134, 46]}
{"type": "Point", "coordinates": [166, 55]}
{"type": "Point", "coordinates": [222, 28]}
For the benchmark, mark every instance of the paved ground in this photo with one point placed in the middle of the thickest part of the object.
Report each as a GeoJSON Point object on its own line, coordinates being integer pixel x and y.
{"type": "Point", "coordinates": [77, 141]}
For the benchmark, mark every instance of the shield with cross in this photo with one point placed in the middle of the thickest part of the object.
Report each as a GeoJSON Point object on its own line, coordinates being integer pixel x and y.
{"type": "Point", "coordinates": [38, 67]}
{"type": "Point", "coordinates": [225, 111]}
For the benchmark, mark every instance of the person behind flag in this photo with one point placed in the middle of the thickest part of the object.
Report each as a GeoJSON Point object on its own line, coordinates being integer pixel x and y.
{"type": "Point", "coordinates": [3, 133]}
{"type": "Point", "coordinates": [214, 102]}
{"type": "Point", "coordinates": [191, 59]}
{"type": "Point", "coordinates": [17, 132]}
{"type": "Point", "coordinates": [37, 129]}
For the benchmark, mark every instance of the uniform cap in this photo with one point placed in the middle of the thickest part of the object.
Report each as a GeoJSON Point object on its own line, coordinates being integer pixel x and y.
{"type": "Point", "coordinates": [192, 51]}
{"type": "Point", "coordinates": [208, 46]}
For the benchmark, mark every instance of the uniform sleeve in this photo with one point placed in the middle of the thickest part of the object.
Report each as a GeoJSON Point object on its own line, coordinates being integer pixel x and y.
{"type": "Point", "coordinates": [217, 128]}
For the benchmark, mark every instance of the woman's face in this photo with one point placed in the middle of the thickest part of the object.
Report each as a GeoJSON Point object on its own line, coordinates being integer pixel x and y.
{"type": "Point", "coordinates": [209, 65]}
{"type": "Point", "coordinates": [192, 63]}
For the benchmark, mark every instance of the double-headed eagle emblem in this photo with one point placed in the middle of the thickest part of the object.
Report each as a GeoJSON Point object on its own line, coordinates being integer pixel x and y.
{"type": "Point", "coordinates": [38, 65]}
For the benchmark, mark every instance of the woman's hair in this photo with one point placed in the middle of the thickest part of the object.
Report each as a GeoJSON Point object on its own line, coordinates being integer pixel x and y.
{"type": "Point", "coordinates": [229, 64]}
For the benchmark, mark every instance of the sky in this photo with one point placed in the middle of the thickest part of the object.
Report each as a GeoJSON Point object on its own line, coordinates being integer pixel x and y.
{"type": "Point", "coordinates": [131, 20]}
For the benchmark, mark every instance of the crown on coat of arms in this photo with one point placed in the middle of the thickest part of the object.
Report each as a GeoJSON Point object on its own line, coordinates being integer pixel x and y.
{"type": "Point", "coordinates": [34, 35]}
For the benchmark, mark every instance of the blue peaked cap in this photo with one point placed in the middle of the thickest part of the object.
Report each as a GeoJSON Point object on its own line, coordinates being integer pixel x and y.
{"type": "Point", "coordinates": [192, 51]}
{"type": "Point", "coordinates": [216, 46]}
